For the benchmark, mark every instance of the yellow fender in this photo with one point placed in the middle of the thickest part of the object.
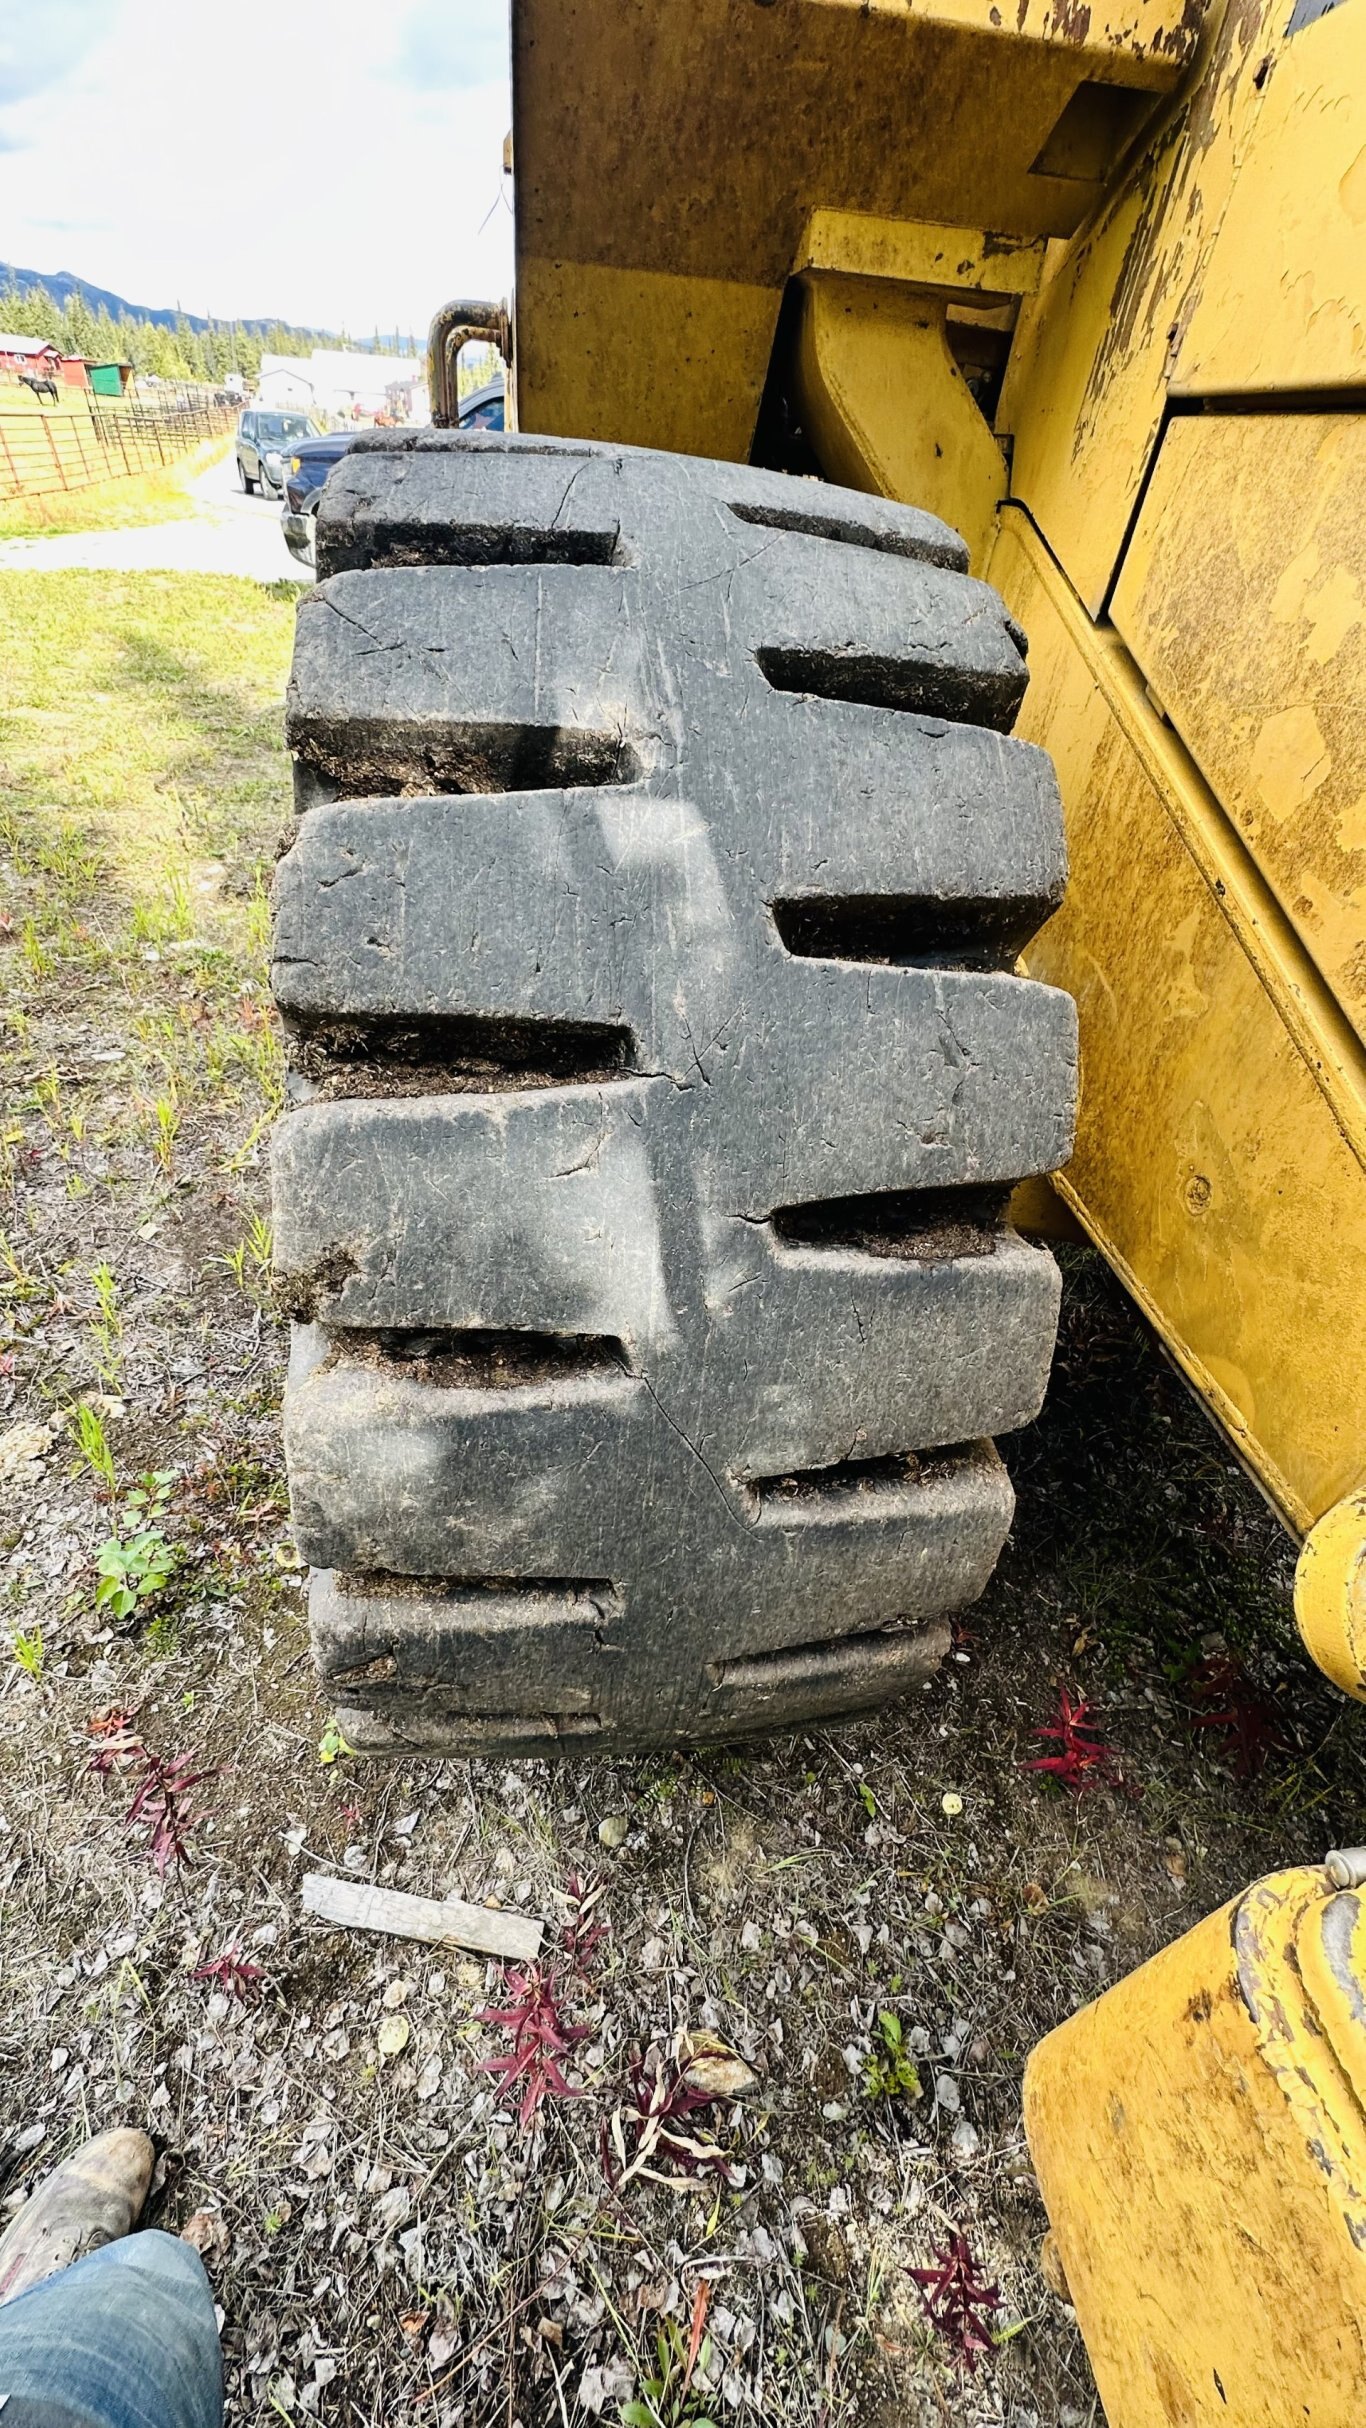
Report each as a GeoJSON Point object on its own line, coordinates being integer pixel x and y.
{"type": "Point", "coordinates": [1199, 2136]}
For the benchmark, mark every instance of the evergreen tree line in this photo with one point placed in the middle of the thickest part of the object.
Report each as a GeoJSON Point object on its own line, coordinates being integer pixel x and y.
{"type": "Point", "coordinates": [179, 352]}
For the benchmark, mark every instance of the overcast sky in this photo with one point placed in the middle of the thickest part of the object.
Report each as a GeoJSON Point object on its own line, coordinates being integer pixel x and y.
{"type": "Point", "coordinates": [338, 162]}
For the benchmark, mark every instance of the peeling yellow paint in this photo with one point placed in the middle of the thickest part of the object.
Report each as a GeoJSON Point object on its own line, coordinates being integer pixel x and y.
{"type": "Point", "coordinates": [1241, 599]}
{"type": "Point", "coordinates": [1200, 1062]}
{"type": "Point", "coordinates": [1289, 759]}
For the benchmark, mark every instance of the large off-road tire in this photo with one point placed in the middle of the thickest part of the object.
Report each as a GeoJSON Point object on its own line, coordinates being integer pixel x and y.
{"type": "Point", "coordinates": [645, 956]}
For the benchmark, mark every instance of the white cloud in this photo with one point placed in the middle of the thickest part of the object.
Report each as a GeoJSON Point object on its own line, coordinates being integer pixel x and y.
{"type": "Point", "coordinates": [300, 164]}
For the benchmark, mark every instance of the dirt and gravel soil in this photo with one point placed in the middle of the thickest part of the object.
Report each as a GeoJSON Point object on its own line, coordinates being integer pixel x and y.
{"type": "Point", "coordinates": [388, 2242]}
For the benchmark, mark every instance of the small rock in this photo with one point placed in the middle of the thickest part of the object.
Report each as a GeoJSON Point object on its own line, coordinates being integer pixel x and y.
{"type": "Point", "coordinates": [612, 1832]}
{"type": "Point", "coordinates": [22, 1451]}
{"type": "Point", "coordinates": [394, 2035]}
{"type": "Point", "coordinates": [713, 2069]}
{"type": "Point", "coordinates": [965, 2140]}
{"type": "Point", "coordinates": [397, 1994]}
{"type": "Point", "coordinates": [947, 2094]}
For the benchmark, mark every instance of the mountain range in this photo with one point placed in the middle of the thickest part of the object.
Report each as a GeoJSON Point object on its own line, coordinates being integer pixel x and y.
{"type": "Point", "coordinates": [61, 285]}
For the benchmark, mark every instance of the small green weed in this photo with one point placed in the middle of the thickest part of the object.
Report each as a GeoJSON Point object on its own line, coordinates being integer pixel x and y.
{"type": "Point", "coordinates": [93, 1444]}
{"type": "Point", "coordinates": [666, 2400]}
{"type": "Point", "coordinates": [28, 1650]}
{"type": "Point", "coordinates": [166, 1120]}
{"type": "Point", "coordinates": [249, 1261]}
{"type": "Point", "coordinates": [164, 1637]}
{"type": "Point", "coordinates": [888, 2073]}
{"type": "Point", "coordinates": [168, 917]}
{"type": "Point", "coordinates": [332, 1744]}
{"type": "Point", "coordinates": [133, 1566]}
{"type": "Point", "coordinates": [18, 1283]}
{"type": "Point", "coordinates": [35, 952]}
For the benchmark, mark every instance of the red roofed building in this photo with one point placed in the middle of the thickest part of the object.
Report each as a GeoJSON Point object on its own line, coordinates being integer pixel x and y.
{"type": "Point", "coordinates": [37, 354]}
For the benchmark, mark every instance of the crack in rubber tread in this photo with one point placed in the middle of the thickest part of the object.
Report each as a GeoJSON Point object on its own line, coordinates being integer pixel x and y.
{"type": "Point", "coordinates": [566, 590]}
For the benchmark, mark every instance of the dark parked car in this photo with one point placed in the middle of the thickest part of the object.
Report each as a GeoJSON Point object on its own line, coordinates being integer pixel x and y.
{"type": "Point", "coordinates": [312, 459]}
{"type": "Point", "coordinates": [264, 444]}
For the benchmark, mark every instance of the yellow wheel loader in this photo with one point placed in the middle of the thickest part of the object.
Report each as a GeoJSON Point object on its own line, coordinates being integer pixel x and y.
{"type": "Point", "coordinates": [673, 1124]}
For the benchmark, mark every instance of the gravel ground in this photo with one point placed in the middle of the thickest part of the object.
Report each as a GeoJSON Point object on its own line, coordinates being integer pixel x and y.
{"type": "Point", "coordinates": [873, 1925]}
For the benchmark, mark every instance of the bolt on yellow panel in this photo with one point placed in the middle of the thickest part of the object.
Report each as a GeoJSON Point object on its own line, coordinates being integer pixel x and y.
{"type": "Point", "coordinates": [1222, 1127]}
{"type": "Point", "coordinates": [1243, 599]}
{"type": "Point", "coordinates": [1199, 2138]}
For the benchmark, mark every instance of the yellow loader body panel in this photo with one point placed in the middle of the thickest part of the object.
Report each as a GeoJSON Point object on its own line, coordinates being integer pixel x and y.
{"type": "Point", "coordinates": [1199, 2135]}
{"type": "Point", "coordinates": [1152, 218]}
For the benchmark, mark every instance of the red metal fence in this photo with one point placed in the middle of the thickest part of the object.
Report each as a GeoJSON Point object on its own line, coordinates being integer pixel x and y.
{"type": "Point", "coordinates": [45, 450]}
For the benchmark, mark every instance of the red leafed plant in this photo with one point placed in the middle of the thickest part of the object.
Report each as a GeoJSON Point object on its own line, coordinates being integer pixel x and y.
{"type": "Point", "coordinates": [957, 2302]}
{"type": "Point", "coordinates": [162, 1790]}
{"type": "Point", "coordinates": [232, 1974]}
{"type": "Point", "coordinates": [161, 1806]}
{"type": "Point", "coordinates": [1229, 1701]}
{"type": "Point", "coordinates": [1082, 1760]}
{"type": "Point", "coordinates": [540, 2038]}
{"type": "Point", "coordinates": [653, 2130]}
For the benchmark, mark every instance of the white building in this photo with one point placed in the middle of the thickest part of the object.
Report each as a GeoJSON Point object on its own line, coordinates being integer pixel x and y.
{"type": "Point", "coordinates": [334, 380]}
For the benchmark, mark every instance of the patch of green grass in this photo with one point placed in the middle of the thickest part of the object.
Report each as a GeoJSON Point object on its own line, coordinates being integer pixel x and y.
{"type": "Point", "coordinates": [129, 503]}
{"type": "Point", "coordinates": [145, 789]}
{"type": "Point", "coordinates": [140, 727]}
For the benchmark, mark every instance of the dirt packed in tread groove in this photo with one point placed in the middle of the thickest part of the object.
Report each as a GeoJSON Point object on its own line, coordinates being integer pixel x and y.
{"type": "Point", "coordinates": [484, 1361]}
{"type": "Point", "coordinates": [454, 1055]}
{"type": "Point", "coordinates": [387, 2240]}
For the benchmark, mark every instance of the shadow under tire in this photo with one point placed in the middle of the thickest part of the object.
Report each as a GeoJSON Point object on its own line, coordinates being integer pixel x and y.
{"type": "Point", "coordinates": [659, 1074]}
